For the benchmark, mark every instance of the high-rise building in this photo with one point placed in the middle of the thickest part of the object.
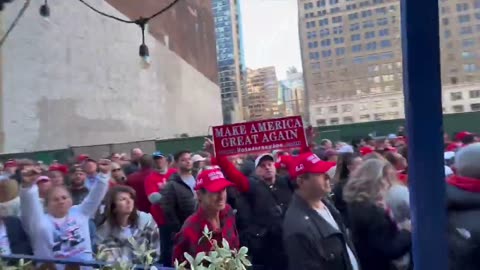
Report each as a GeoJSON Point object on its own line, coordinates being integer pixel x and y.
{"type": "Point", "coordinates": [262, 94]}
{"type": "Point", "coordinates": [291, 93]}
{"type": "Point", "coordinates": [352, 58]}
{"type": "Point", "coordinates": [230, 58]}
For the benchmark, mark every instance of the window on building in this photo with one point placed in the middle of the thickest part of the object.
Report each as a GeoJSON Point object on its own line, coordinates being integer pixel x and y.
{"type": "Point", "coordinates": [366, 13]}
{"type": "Point", "coordinates": [385, 43]}
{"type": "Point", "coordinates": [338, 30]}
{"type": "Point", "coordinates": [445, 10]}
{"type": "Point", "coordinates": [321, 3]}
{"type": "Point", "coordinates": [371, 46]}
{"type": "Point", "coordinates": [455, 96]}
{"type": "Point", "coordinates": [469, 67]}
{"type": "Point", "coordinates": [323, 22]}
{"type": "Point", "coordinates": [447, 33]}
{"type": "Point", "coordinates": [314, 56]}
{"type": "Point", "coordinates": [383, 32]}
{"type": "Point", "coordinates": [466, 30]}
{"type": "Point", "coordinates": [368, 24]}
{"type": "Point", "coordinates": [463, 18]}
{"type": "Point", "coordinates": [393, 103]}
{"type": "Point", "coordinates": [347, 120]}
{"type": "Point", "coordinates": [320, 110]}
{"type": "Point", "coordinates": [325, 42]}
{"type": "Point", "coordinates": [334, 10]}
{"type": "Point", "coordinates": [445, 21]}
{"type": "Point", "coordinates": [313, 44]}
{"type": "Point", "coordinates": [378, 1]}
{"type": "Point", "coordinates": [355, 37]}
{"type": "Point", "coordinates": [369, 35]}
{"type": "Point", "coordinates": [358, 60]}
{"type": "Point", "coordinates": [364, 117]}
{"type": "Point", "coordinates": [376, 79]}
{"type": "Point", "coordinates": [337, 19]}
{"type": "Point", "coordinates": [357, 48]}
{"type": "Point", "coordinates": [333, 109]}
{"type": "Point", "coordinates": [353, 16]}
{"type": "Point", "coordinates": [326, 53]}
{"type": "Point", "coordinates": [475, 94]}
{"type": "Point", "coordinates": [458, 108]}
{"type": "Point", "coordinates": [468, 55]}
{"type": "Point", "coordinates": [462, 7]}
{"type": "Point", "coordinates": [387, 78]}
{"type": "Point", "coordinates": [321, 122]}
{"type": "Point", "coordinates": [378, 104]}
{"type": "Point", "coordinates": [453, 80]}
{"type": "Point", "coordinates": [468, 43]}
{"type": "Point", "coordinates": [324, 32]}
{"type": "Point", "coordinates": [354, 27]}
{"type": "Point", "coordinates": [475, 107]}
{"type": "Point", "coordinates": [333, 2]}
{"type": "Point", "coordinates": [352, 7]}
{"type": "Point", "coordinates": [308, 6]}
{"type": "Point", "coordinates": [382, 21]}
{"type": "Point", "coordinates": [347, 107]}
{"type": "Point", "coordinates": [334, 121]}
{"type": "Point", "coordinates": [379, 116]}
{"type": "Point", "coordinates": [340, 51]}
{"type": "Point", "coordinates": [339, 40]}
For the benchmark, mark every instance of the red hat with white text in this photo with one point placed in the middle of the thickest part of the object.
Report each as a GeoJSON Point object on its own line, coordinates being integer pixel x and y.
{"type": "Point", "coordinates": [212, 180]}
{"type": "Point", "coordinates": [311, 163]}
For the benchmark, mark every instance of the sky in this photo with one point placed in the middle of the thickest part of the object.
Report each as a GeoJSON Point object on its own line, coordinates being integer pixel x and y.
{"type": "Point", "coordinates": [270, 34]}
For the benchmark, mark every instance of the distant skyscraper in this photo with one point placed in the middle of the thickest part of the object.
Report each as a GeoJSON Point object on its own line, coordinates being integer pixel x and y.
{"type": "Point", "coordinates": [262, 97]}
{"type": "Point", "coordinates": [231, 66]}
{"type": "Point", "coordinates": [352, 59]}
{"type": "Point", "coordinates": [292, 92]}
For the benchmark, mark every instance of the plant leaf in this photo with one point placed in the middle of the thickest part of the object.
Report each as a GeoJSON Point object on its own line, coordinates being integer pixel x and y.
{"type": "Point", "coordinates": [225, 244]}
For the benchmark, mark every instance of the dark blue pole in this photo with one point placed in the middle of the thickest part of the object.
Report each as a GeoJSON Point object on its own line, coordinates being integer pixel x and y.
{"type": "Point", "coordinates": [423, 105]}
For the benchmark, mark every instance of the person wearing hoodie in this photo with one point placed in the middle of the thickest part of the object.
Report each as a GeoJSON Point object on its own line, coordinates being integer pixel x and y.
{"type": "Point", "coordinates": [63, 231]}
{"type": "Point", "coordinates": [463, 206]}
{"type": "Point", "coordinates": [124, 223]}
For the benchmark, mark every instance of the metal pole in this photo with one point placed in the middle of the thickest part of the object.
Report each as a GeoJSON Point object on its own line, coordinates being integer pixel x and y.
{"type": "Point", "coordinates": [423, 104]}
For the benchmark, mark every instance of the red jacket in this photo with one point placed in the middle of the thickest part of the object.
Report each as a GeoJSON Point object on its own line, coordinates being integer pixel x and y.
{"type": "Point", "coordinates": [187, 240]}
{"type": "Point", "coordinates": [153, 184]}
{"type": "Point", "coordinates": [137, 182]}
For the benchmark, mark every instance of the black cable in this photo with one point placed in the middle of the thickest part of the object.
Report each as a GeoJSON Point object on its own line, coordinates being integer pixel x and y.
{"type": "Point", "coordinates": [15, 21]}
{"type": "Point", "coordinates": [130, 21]}
{"type": "Point", "coordinates": [105, 14]}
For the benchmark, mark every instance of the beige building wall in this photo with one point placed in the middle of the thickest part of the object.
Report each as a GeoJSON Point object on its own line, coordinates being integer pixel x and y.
{"type": "Point", "coordinates": [76, 80]}
{"type": "Point", "coordinates": [351, 54]}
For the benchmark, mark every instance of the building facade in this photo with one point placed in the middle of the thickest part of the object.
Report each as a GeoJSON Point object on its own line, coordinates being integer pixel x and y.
{"type": "Point", "coordinates": [262, 94]}
{"type": "Point", "coordinates": [352, 58]}
{"type": "Point", "coordinates": [65, 83]}
{"type": "Point", "coordinates": [230, 58]}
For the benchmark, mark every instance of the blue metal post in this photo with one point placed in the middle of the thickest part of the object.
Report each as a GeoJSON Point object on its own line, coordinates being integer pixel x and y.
{"type": "Point", "coordinates": [423, 105]}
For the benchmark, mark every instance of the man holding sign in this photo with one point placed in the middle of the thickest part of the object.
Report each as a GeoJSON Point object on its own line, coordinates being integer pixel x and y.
{"type": "Point", "coordinates": [267, 194]}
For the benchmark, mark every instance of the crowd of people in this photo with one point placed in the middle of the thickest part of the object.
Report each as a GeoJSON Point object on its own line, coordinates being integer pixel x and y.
{"type": "Point", "coordinates": [334, 206]}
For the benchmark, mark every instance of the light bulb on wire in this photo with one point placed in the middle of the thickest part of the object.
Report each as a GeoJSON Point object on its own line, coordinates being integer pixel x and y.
{"type": "Point", "coordinates": [45, 10]}
{"type": "Point", "coordinates": [143, 49]}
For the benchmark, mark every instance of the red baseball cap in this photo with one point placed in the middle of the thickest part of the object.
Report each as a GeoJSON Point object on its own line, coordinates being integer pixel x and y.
{"type": "Point", "coordinates": [365, 151]}
{"type": "Point", "coordinates": [462, 135]}
{"type": "Point", "coordinates": [311, 163]}
{"type": "Point", "coordinates": [59, 168]}
{"type": "Point", "coordinates": [81, 158]}
{"type": "Point", "coordinates": [212, 180]}
{"type": "Point", "coordinates": [10, 163]}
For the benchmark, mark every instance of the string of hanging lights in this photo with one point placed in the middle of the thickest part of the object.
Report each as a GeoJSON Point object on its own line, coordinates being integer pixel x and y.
{"type": "Point", "coordinates": [141, 22]}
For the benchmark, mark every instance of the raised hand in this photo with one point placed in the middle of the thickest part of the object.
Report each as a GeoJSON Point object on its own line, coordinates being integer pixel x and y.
{"type": "Point", "coordinates": [105, 166]}
{"type": "Point", "coordinates": [29, 175]}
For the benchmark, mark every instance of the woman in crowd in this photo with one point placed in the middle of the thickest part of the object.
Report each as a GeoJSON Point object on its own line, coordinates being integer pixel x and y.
{"type": "Point", "coordinates": [377, 238]}
{"type": "Point", "coordinates": [63, 232]}
{"type": "Point", "coordinates": [123, 223]}
{"type": "Point", "coordinates": [347, 163]}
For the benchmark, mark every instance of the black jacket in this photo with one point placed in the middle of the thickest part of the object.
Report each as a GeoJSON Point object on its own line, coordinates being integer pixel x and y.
{"type": "Point", "coordinates": [18, 239]}
{"type": "Point", "coordinates": [311, 243]}
{"type": "Point", "coordinates": [376, 237]}
{"type": "Point", "coordinates": [464, 228]}
{"type": "Point", "coordinates": [178, 202]}
{"type": "Point", "coordinates": [267, 207]}
{"type": "Point", "coordinates": [337, 199]}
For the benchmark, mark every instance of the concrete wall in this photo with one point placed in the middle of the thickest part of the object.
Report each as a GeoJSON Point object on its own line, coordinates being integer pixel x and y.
{"type": "Point", "coordinates": [76, 80]}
